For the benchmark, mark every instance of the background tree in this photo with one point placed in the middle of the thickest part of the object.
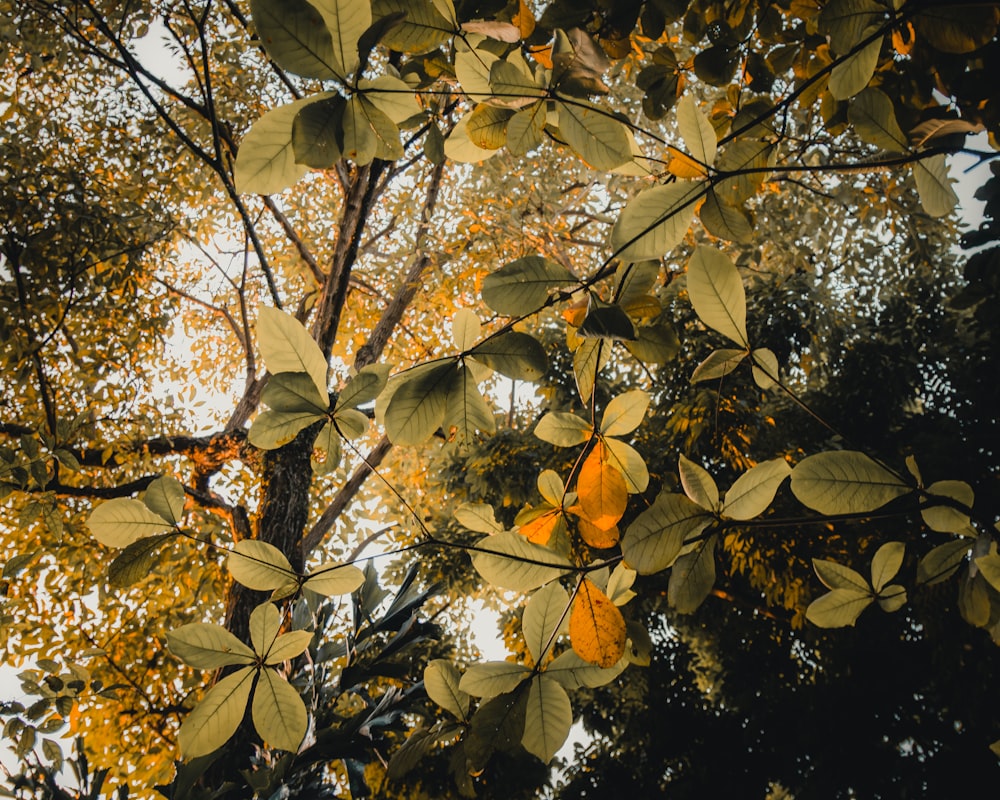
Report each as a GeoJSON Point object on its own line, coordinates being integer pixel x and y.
{"type": "Point", "coordinates": [632, 156]}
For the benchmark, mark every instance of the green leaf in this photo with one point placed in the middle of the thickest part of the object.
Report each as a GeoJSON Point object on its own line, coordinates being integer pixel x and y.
{"type": "Point", "coordinates": [845, 482]}
{"type": "Point", "coordinates": [749, 159]}
{"type": "Point", "coordinates": [294, 392]}
{"type": "Point", "coordinates": [765, 368]}
{"type": "Point", "coordinates": [465, 329]}
{"type": "Point", "coordinates": [838, 608]}
{"type": "Point", "coordinates": [417, 407]}
{"type": "Point", "coordinates": [296, 37]}
{"type": "Point", "coordinates": [845, 21]}
{"type": "Point", "coordinates": [934, 185]}
{"type": "Point", "coordinates": [287, 347]}
{"type": "Point", "coordinates": [473, 68]}
{"type": "Point", "coordinates": [513, 85]}
{"type": "Point", "coordinates": [655, 344]}
{"type": "Point", "coordinates": [368, 133]}
{"type": "Point", "coordinates": [590, 357]}
{"type": "Point", "coordinates": [260, 566]}
{"type": "Point", "coordinates": [942, 562]}
{"type": "Point", "coordinates": [460, 148]}
{"type": "Point", "coordinates": [516, 355]}
{"type": "Point", "coordinates": [544, 618]}
{"type": "Point", "coordinates": [265, 163]}
{"type": "Point", "coordinates": [392, 96]}
{"type": "Point", "coordinates": [136, 561]}
{"type": "Point", "coordinates": [498, 724]}
{"type": "Point", "coordinates": [165, 498]}
{"type": "Point", "coordinates": [716, 292]}
{"type": "Point", "coordinates": [892, 598]}
{"type": "Point", "coordinates": [837, 576]}
{"type": "Point", "coordinates": [563, 429]}
{"type": "Point", "coordinates": [273, 429]}
{"type": "Point", "coordinates": [346, 21]}
{"type": "Point", "coordinates": [333, 580]}
{"type": "Point", "coordinates": [606, 321]}
{"type": "Point", "coordinates": [853, 74]}
{"type": "Point", "coordinates": [974, 600]}
{"type": "Point", "coordinates": [364, 387]}
{"type": "Point", "coordinates": [632, 466]}
{"type": "Point", "coordinates": [122, 521]}
{"type": "Point", "coordinates": [619, 589]}
{"type": "Point", "coordinates": [509, 561]}
{"type": "Point", "coordinates": [326, 451]}
{"type": "Point", "coordinates": [596, 135]}
{"type": "Point", "coordinates": [655, 220]}
{"type": "Point", "coordinates": [724, 220]}
{"type": "Point", "coordinates": [655, 538]}
{"type": "Point", "coordinates": [753, 491]}
{"type": "Point", "coordinates": [989, 568]}
{"type": "Point", "coordinates": [478, 517]}
{"type": "Point", "coordinates": [487, 126]}
{"type": "Point", "coordinates": [873, 117]}
{"type": "Point", "coordinates": [288, 646]}
{"type": "Point", "coordinates": [279, 715]}
{"type": "Point", "coordinates": [526, 129]}
{"type": "Point", "coordinates": [493, 678]}
{"type": "Point", "coordinates": [551, 487]}
{"type": "Point", "coordinates": [696, 131]}
{"type": "Point", "coordinates": [206, 646]}
{"type": "Point", "coordinates": [547, 718]}
{"type": "Point", "coordinates": [886, 563]}
{"type": "Point", "coordinates": [572, 672]}
{"type": "Point", "coordinates": [421, 29]}
{"type": "Point", "coordinates": [351, 423]}
{"type": "Point", "coordinates": [441, 680]}
{"type": "Point", "coordinates": [318, 131]}
{"type": "Point", "coordinates": [523, 285]}
{"type": "Point", "coordinates": [218, 715]}
{"type": "Point", "coordinates": [698, 485]}
{"type": "Point", "coordinates": [265, 625]}
{"type": "Point", "coordinates": [692, 577]}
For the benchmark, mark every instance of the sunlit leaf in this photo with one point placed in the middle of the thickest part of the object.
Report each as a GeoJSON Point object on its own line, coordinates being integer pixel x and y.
{"type": "Point", "coordinates": [540, 524]}
{"type": "Point", "coordinates": [944, 518]}
{"type": "Point", "coordinates": [279, 715]}
{"type": "Point", "coordinates": [421, 29]}
{"type": "Point", "coordinates": [655, 344]}
{"type": "Point", "coordinates": [655, 538]}
{"type": "Point", "coordinates": [596, 135]}
{"type": "Point", "coordinates": [838, 608]}
{"type": "Point", "coordinates": [934, 185]}
{"type": "Point", "coordinates": [346, 21]}
{"type": "Point", "coordinates": [266, 161]}
{"type": "Point", "coordinates": [632, 466]}
{"type": "Point", "coordinates": [509, 561]}
{"type": "Point", "coordinates": [853, 74]}
{"type": "Point", "coordinates": [753, 491]}
{"type": "Point", "coordinates": [417, 407]}
{"type": "Point", "coordinates": [544, 618]}
{"type": "Point", "coordinates": [273, 429]}
{"type": "Point", "coordinates": [523, 285]}
{"type": "Point", "coordinates": [133, 563]}
{"type": "Point", "coordinates": [596, 627]}
{"type": "Point", "coordinates": [478, 517]}
{"type": "Point", "coordinates": [326, 450]}
{"type": "Point", "coordinates": [165, 498]}
{"type": "Point", "coordinates": [747, 162]}
{"type": "Point", "coordinates": [364, 387]}
{"type": "Point", "coordinates": [547, 718]}
{"type": "Point", "coordinates": [441, 680]}
{"type": "Point", "coordinates": [563, 429]}
{"type": "Point", "coordinates": [526, 129]}
{"type": "Point", "coordinates": [601, 489]}
{"type": "Point", "coordinates": [487, 126]}
{"type": "Point", "coordinates": [551, 487]}
{"type": "Point", "coordinates": [122, 521]}
{"type": "Point", "coordinates": [592, 535]}
{"type": "Point", "coordinates": [294, 392]}
{"type": "Point", "coordinates": [837, 576]}
{"type": "Point", "coordinates": [942, 562]}
{"type": "Point", "coordinates": [287, 347]}
{"type": "Point", "coordinates": [873, 117]}
{"type": "Point", "coordinates": [696, 131]}
{"type": "Point", "coordinates": [892, 598]}
{"type": "Point", "coordinates": [351, 423]}
{"type": "Point", "coordinates": [716, 292]}
{"type": "Point", "coordinates": [886, 563]}
{"type": "Point", "coordinates": [288, 646]}
{"type": "Point", "coordinates": [845, 482]}
{"type": "Point", "coordinates": [334, 580]}
{"type": "Point", "coordinates": [588, 360]}
{"type": "Point", "coordinates": [493, 678]}
{"type": "Point", "coordinates": [624, 413]}
{"type": "Point", "coordinates": [572, 672]}
{"type": "Point", "coordinates": [724, 220]}
{"type": "Point", "coordinates": [216, 718]}
{"type": "Point", "coordinates": [718, 364]}
{"type": "Point", "coordinates": [259, 565]}
{"type": "Point", "coordinates": [207, 646]}
{"type": "Point", "coordinates": [466, 412]}
{"type": "Point", "coordinates": [265, 625]}
{"type": "Point", "coordinates": [655, 221]}
{"type": "Point", "coordinates": [698, 484]}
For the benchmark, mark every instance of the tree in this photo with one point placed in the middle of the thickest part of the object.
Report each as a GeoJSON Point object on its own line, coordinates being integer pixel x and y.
{"type": "Point", "coordinates": [642, 171]}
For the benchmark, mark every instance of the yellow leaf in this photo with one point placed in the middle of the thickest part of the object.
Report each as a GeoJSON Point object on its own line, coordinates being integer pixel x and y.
{"type": "Point", "coordinates": [601, 489]}
{"type": "Point", "coordinates": [596, 627]}
{"type": "Point", "coordinates": [595, 537]}
{"type": "Point", "coordinates": [683, 166]}
{"type": "Point", "coordinates": [539, 529]}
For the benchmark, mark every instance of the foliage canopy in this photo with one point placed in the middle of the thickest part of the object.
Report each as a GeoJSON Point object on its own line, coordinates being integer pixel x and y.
{"type": "Point", "coordinates": [638, 323]}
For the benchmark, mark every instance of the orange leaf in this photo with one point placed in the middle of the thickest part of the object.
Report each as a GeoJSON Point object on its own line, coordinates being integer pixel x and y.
{"type": "Point", "coordinates": [602, 493]}
{"type": "Point", "coordinates": [683, 166]}
{"type": "Point", "coordinates": [542, 54]}
{"type": "Point", "coordinates": [596, 627]}
{"type": "Point", "coordinates": [524, 20]}
{"type": "Point", "coordinates": [539, 526]}
{"type": "Point", "coordinates": [595, 537]}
